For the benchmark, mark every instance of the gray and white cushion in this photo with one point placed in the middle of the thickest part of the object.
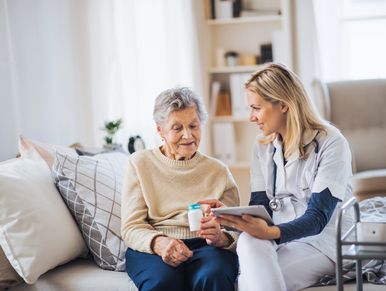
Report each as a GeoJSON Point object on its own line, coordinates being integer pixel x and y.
{"type": "Point", "coordinates": [91, 188]}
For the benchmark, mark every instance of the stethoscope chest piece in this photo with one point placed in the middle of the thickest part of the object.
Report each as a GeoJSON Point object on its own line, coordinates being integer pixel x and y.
{"type": "Point", "coordinates": [275, 204]}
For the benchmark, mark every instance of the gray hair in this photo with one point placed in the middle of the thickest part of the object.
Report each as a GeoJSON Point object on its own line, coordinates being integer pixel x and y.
{"type": "Point", "coordinates": [177, 99]}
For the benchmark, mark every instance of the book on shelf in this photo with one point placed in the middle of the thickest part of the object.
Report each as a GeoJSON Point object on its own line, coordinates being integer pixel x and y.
{"type": "Point", "coordinates": [240, 106]}
{"type": "Point", "coordinates": [220, 101]}
{"type": "Point", "coordinates": [223, 104]}
{"type": "Point", "coordinates": [224, 147]}
{"type": "Point", "coordinates": [214, 91]}
{"type": "Point", "coordinates": [266, 53]}
{"type": "Point", "coordinates": [259, 12]}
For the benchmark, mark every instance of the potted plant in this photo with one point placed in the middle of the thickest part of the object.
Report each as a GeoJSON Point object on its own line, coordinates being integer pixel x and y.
{"type": "Point", "coordinates": [111, 128]}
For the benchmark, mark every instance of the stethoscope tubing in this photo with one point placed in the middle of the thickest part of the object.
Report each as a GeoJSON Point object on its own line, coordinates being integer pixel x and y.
{"type": "Point", "coordinates": [275, 203]}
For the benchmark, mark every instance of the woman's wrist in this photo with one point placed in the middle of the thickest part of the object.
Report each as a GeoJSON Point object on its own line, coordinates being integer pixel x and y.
{"type": "Point", "coordinates": [274, 232]}
{"type": "Point", "coordinates": [225, 240]}
{"type": "Point", "coordinates": [155, 244]}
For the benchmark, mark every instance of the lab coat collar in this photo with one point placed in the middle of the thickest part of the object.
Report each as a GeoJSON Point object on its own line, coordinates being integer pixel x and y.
{"type": "Point", "coordinates": [278, 143]}
{"type": "Point", "coordinates": [308, 137]}
{"type": "Point", "coordinates": [278, 157]}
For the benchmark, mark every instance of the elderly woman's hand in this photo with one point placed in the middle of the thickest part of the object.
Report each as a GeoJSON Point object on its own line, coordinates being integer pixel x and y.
{"type": "Point", "coordinates": [210, 231]}
{"type": "Point", "coordinates": [173, 251]}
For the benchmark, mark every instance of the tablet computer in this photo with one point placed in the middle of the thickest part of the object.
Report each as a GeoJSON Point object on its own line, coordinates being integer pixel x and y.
{"type": "Point", "coordinates": [254, 210]}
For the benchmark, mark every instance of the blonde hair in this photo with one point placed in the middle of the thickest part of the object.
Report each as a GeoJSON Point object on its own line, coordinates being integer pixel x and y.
{"type": "Point", "coordinates": [276, 83]}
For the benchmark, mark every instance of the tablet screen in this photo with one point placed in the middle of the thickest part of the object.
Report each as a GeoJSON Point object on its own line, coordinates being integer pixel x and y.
{"type": "Point", "coordinates": [254, 210]}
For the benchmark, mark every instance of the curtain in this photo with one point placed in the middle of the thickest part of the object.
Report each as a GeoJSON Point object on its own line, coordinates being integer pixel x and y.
{"type": "Point", "coordinates": [70, 65]}
{"type": "Point", "coordinates": [43, 85]}
{"type": "Point", "coordinates": [141, 48]}
{"type": "Point", "coordinates": [329, 39]}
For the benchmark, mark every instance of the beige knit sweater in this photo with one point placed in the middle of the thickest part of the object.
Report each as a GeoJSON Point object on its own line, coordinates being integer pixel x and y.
{"type": "Point", "coordinates": [157, 191]}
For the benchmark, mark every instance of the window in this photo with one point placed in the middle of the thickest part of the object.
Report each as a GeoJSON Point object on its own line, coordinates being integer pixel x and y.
{"type": "Point", "coordinates": [364, 41]}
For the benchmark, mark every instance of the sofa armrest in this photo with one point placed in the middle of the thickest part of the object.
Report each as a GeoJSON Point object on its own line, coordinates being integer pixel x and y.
{"type": "Point", "coordinates": [369, 184]}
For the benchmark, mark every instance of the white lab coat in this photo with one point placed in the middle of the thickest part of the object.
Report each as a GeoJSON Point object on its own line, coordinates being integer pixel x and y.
{"type": "Point", "coordinates": [329, 167]}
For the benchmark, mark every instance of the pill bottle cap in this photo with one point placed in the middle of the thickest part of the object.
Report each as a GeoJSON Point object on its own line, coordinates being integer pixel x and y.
{"type": "Point", "coordinates": [194, 206]}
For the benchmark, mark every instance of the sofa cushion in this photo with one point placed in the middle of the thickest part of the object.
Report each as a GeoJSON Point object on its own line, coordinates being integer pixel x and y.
{"type": "Point", "coordinates": [369, 184]}
{"type": "Point", "coordinates": [37, 232]}
{"type": "Point", "coordinates": [91, 188]}
{"type": "Point", "coordinates": [80, 275]}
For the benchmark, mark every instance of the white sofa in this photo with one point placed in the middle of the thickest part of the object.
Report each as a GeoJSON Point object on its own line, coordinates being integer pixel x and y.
{"type": "Point", "coordinates": [83, 274]}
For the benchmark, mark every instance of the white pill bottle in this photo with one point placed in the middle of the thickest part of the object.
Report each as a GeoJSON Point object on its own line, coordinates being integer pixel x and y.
{"type": "Point", "coordinates": [194, 216]}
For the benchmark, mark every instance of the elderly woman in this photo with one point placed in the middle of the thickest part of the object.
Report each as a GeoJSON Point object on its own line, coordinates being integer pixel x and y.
{"type": "Point", "coordinates": [163, 254]}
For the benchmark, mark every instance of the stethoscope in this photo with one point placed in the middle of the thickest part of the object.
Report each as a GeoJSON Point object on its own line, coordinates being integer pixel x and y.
{"type": "Point", "coordinates": [276, 203]}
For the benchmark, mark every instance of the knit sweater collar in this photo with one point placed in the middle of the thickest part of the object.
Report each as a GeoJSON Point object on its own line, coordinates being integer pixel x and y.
{"type": "Point", "coordinates": [176, 163]}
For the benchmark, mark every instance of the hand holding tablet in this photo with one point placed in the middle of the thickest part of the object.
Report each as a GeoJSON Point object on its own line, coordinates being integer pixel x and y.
{"type": "Point", "coordinates": [254, 210]}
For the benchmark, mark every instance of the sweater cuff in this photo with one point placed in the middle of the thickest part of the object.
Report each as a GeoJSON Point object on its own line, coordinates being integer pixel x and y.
{"type": "Point", "coordinates": [233, 236]}
{"type": "Point", "coordinates": [144, 244]}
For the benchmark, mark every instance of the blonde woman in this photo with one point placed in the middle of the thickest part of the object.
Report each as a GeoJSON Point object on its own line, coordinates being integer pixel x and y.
{"type": "Point", "coordinates": [300, 172]}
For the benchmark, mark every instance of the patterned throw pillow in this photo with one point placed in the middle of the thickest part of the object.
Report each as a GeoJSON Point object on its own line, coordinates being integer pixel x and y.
{"type": "Point", "coordinates": [91, 188]}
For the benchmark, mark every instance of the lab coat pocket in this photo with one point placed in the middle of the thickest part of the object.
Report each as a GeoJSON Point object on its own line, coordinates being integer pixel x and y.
{"type": "Point", "coordinates": [305, 184]}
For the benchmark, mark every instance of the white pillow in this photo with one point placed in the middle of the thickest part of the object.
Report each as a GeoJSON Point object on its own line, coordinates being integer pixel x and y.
{"type": "Point", "coordinates": [37, 232]}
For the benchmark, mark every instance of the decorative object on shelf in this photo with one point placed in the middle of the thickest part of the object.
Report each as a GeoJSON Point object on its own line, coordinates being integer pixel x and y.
{"type": "Point", "coordinates": [135, 143]}
{"type": "Point", "coordinates": [111, 128]}
{"type": "Point", "coordinates": [266, 53]}
{"type": "Point", "coordinates": [223, 9]}
{"type": "Point", "coordinates": [232, 58]}
{"type": "Point", "coordinates": [248, 59]}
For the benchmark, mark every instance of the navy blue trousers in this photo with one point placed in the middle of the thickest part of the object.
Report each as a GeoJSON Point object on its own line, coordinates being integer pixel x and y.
{"type": "Point", "coordinates": [209, 268]}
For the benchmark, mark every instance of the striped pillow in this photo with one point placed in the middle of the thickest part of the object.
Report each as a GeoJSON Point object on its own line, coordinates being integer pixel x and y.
{"type": "Point", "coordinates": [91, 188]}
